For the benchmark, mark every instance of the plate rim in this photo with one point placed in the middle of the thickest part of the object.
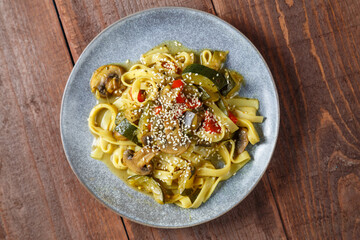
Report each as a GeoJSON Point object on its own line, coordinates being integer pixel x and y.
{"type": "Point", "coordinates": [207, 14]}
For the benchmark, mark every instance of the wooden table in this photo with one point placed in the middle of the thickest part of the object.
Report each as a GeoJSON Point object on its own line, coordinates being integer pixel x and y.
{"type": "Point", "coordinates": [311, 189]}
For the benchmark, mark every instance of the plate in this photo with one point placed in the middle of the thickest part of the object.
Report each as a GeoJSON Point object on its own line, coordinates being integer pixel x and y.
{"type": "Point", "coordinates": [128, 38]}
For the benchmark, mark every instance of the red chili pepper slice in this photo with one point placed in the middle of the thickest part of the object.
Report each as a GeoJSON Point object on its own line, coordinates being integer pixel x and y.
{"type": "Point", "coordinates": [232, 117]}
{"type": "Point", "coordinates": [211, 125]}
{"type": "Point", "coordinates": [177, 84]}
{"type": "Point", "coordinates": [141, 96]}
{"type": "Point", "coordinates": [180, 98]}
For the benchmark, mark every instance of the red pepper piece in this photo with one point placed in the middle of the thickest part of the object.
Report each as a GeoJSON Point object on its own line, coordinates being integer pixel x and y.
{"type": "Point", "coordinates": [177, 84]}
{"type": "Point", "coordinates": [180, 98]}
{"type": "Point", "coordinates": [211, 125]}
{"type": "Point", "coordinates": [141, 96]}
{"type": "Point", "coordinates": [232, 117]}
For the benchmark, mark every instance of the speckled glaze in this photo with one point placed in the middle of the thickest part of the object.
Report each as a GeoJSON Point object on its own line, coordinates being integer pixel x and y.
{"type": "Point", "coordinates": [128, 39]}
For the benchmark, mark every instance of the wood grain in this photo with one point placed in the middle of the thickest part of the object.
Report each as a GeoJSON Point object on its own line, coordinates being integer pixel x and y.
{"type": "Point", "coordinates": [312, 50]}
{"type": "Point", "coordinates": [83, 20]}
{"type": "Point", "coordinates": [264, 222]}
{"type": "Point", "coordinates": [312, 187]}
{"type": "Point", "coordinates": [40, 197]}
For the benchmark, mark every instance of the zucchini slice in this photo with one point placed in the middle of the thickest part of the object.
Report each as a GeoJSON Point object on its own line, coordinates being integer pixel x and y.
{"type": "Point", "coordinates": [216, 160]}
{"type": "Point", "coordinates": [238, 78]}
{"type": "Point", "coordinates": [222, 106]}
{"type": "Point", "coordinates": [143, 121]}
{"type": "Point", "coordinates": [204, 94]}
{"type": "Point", "coordinates": [200, 80]}
{"type": "Point", "coordinates": [128, 130]}
{"type": "Point", "coordinates": [214, 76]}
{"type": "Point", "coordinates": [208, 95]}
{"type": "Point", "coordinates": [230, 85]}
{"type": "Point", "coordinates": [149, 185]}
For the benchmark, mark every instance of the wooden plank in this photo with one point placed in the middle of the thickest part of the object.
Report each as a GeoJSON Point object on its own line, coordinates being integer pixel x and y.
{"type": "Point", "coordinates": [40, 197]}
{"type": "Point", "coordinates": [312, 50]}
{"type": "Point", "coordinates": [257, 217]}
{"type": "Point", "coordinates": [83, 20]}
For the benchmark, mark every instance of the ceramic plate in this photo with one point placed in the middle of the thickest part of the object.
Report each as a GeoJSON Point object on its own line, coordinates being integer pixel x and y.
{"type": "Point", "coordinates": [128, 38]}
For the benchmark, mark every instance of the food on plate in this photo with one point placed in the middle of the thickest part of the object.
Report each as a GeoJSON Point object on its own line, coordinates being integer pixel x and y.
{"type": "Point", "coordinates": [172, 125]}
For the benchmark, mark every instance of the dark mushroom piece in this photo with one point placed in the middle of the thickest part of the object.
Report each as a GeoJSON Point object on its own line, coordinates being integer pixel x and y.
{"type": "Point", "coordinates": [241, 141]}
{"type": "Point", "coordinates": [204, 143]}
{"type": "Point", "coordinates": [175, 141]}
{"type": "Point", "coordinates": [170, 148]}
{"type": "Point", "coordinates": [171, 126]}
{"type": "Point", "coordinates": [106, 80]}
{"type": "Point", "coordinates": [147, 139]}
{"type": "Point", "coordinates": [139, 162]}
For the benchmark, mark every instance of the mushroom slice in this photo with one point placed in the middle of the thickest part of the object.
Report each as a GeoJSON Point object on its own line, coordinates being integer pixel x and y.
{"type": "Point", "coordinates": [241, 138]}
{"type": "Point", "coordinates": [106, 80]}
{"type": "Point", "coordinates": [147, 139]}
{"type": "Point", "coordinates": [139, 162]}
{"type": "Point", "coordinates": [171, 126]}
{"type": "Point", "coordinates": [170, 148]}
{"type": "Point", "coordinates": [175, 141]}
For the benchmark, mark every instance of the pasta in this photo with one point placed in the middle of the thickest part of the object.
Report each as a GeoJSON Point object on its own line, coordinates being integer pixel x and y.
{"type": "Point", "coordinates": [172, 124]}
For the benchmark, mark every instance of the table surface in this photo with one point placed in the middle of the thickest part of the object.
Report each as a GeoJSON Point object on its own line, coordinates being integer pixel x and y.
{"type": "Point", "coordinates": [311, 189]}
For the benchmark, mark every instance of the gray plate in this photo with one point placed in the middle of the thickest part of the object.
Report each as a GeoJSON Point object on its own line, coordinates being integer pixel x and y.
{"type": "Point", "coordinates": [128, 39]}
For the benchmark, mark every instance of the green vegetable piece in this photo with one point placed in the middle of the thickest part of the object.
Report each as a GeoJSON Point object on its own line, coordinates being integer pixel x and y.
{"type": "Point", "coordinates": [229, 85]}
{"type": "Point", "coordinates": [143, 121]}
{"type": "Point", "coordinates": [204, 94]}
{"type": "Point", "coordinates": [222, 106]}
{"type": "Point", "coordinates": [128, 130]}
{"type": "Point", "coordinates": [149, 185]}
{"type": "Point", "coordinates": [216, 160]}
{"type": "Point", "coordinates": [217, 78]}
